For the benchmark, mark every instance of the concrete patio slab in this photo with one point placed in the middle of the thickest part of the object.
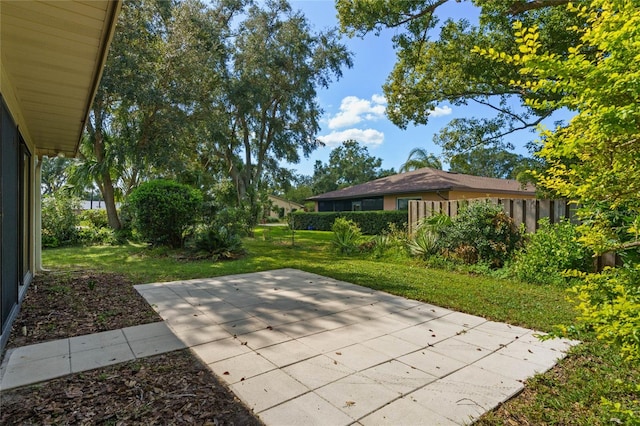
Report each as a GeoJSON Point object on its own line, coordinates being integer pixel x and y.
{"type": "Point", "coordinates": [309, 410]}
{"type": "Point", "coordinates": [45, 361]}
{"type": "Point", "coordinates": [268, 390]}
{"type": "Point", "coordinates": [318, 371]}
{"type": "Point", "coordinates": [96, 358]}
{"type": "Point", "coordinates": [405, 412]}
{"type": "Point", "coordinates": [299, 348]}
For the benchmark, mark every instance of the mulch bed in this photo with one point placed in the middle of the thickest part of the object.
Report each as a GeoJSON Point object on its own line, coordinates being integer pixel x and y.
{"type": "Point", "coordinates": [174, 388]}
{"type": "Point", "coordinates": [60, 305]}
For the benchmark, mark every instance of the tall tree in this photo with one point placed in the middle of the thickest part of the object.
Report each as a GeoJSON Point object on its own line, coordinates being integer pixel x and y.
{"type": "Point", "coordinates": [419, 158]}
{"type": "Point", "coordinates": [349, 164]}
{"type": "Point", "coordinates": [129, 123]}
{"type": "Point", "coordinates": [263, 107]}
{"type": "Point", "coordinates": [439, 67]}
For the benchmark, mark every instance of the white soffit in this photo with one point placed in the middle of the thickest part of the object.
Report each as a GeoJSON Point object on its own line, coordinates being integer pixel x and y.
{"type": "Point", "coordinates": [52, 54]}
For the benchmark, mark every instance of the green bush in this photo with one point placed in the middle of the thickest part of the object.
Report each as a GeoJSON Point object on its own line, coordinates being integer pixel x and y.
{"type": "Point", "coordinates": [96, 218]}
{"type": "Point", "coordinates": [610, 305]}
{"type": "Point", "coordinates": [370, 222]}
{"type": "Point", "coordinates": [59, 220]}
{"type": "Point", "coordinates": [426, 240]}
{"type": "Point", "coordinates": [90, 235]}
{"type": "Point", "coordinates": [217, 242]}
{"type": "Point", "coordinates": [163, 211]}
{"type": "Point", "coordinates": [346, 236]}
{"type": "Point", "coordinates": [553, 249]}
{"type": "Point", "coordinates": [481, 232]}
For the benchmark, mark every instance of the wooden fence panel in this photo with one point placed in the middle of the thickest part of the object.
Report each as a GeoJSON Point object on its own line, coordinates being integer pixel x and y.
{"type": "Point", "coordinates": [523, 211]}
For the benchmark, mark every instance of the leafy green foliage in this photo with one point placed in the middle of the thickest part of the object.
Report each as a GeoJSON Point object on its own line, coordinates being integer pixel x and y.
{"type": "Point", "coordinates": [553, 249]}
{"type": "Point", "coordinates": [391, 243]}
{"type": "Point", "coordinates": [481, 232]}
{"type": "Point", "coordinates": [164, 210]}
{"type": "Point", "coordinates": [419, 158]}
{"type": "Point", "coordinates": [94, 228]}
{"type": "Point", "coordinates": [346, 236]}
{"type": "Point", "coordinates": [594, 159]}
{"type": "Point", "coordinates": [609, 301]}
{"type": "Point", "coordinates": [370, 222]}
{"type": "Point", "coordinates": [91, 235]}
{"type": "Point", "coordinates": [349, 164]}
{"type": "Point", "coordinates": [218, 242]}
{"type": "Point", "coordinates": [435, 65]}
{"type": "Point", "coordinates": [59, 220]}
{"type": "Point", "coordinates": [424, 244]}
{"type": "Point", "coordinates": [426, 240]}
{"type": "Point", "coordinates": [96, 218]}
{"type": "Point", "coordinates": [490, 162]}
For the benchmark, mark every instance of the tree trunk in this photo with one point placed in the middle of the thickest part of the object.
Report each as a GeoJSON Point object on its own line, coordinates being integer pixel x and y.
{"type": "Point", "coordinates": [106, 186]}
{"type": "Point", "coordinates": [108, 195]}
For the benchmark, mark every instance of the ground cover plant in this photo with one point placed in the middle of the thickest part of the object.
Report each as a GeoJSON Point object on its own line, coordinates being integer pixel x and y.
{"type": "Point", "coordinates": [568, 394]}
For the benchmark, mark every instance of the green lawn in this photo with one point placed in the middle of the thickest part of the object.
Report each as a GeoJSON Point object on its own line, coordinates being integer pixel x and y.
{"type": "Point", "coordinates": [573, 397]}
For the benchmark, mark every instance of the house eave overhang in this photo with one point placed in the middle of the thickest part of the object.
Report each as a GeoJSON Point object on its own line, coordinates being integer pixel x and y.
{"type": "Point", "coordinates": [52, 55]}
{"type": "Point", "coordinates": [480, 191]}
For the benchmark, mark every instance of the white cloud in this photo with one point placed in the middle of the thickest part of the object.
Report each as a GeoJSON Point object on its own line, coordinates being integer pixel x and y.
{"type": "Point", "coordinates": [370, 137]}
{"type": "Point", "coordinates": [354, 110]}
{"type": "Point", "coordinates": [440, 111]}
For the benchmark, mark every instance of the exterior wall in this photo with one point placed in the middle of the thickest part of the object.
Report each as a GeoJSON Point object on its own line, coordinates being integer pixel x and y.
{"type": "Point", "coordinates": [391, 201]}
{"type": "Point", "coordinates": [468, 195]}
{"type": "Point", "coordinates": [288, 206]}
{"type": "Point", "coordinates": [18, 239]}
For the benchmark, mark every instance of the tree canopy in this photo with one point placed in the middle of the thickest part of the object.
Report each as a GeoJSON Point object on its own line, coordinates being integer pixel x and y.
{"type": "Point", "coordinates": [491, 162]}
{"type": "Point", "coordinates": [435, 64]}
{"type": "Point", "coordinates": [349, 164]}
{"type": "Point", "coordinates": [594, 160]}
{"type": "Point", "coordinates": [206, 92]}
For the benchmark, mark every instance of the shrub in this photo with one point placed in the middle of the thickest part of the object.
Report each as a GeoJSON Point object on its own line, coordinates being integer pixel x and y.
{"type": "Point", "coordinates": [610, 305]}
{"type": "Point", "coordinates": [163, 211]}
{"type": "Point", "coordinates": [424, 243]}
{"type": "Point", "coordinates": [96, 218]}
{"type": "Point", "coordinates": [218, 242]}
{"type": "Point", "coordinates": [426, 240]}
{"type": "Point", "coordinates": [59, 221]}
{"type": "Point", "coordinates": [481, 232]}
{"type": "Point", "coordinates": [370, 222]}
{"type": "Point", "coordinates": [92, 235]}
{"type": "Point", "coordinates": [221, 238]}
{"type": "Point", "coordinates": [346, 235]}
{"type": "Point", "coordinates": [553, 249]}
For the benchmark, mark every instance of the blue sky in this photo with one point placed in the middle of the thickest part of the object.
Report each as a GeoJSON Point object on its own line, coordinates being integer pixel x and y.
{"type": "Point", "coordinates": [354, 105]}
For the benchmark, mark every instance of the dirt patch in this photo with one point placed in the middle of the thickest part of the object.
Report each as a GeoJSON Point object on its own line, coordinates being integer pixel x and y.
{"type": "Point", "coordinates": [166, 389]}
{"type": "Point", "coordinates": [61, 305]}
{"type": "Point", "coordinates": [174, 388]}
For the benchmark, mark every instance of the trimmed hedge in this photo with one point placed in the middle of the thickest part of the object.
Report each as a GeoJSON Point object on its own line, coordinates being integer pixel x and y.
{"type": "Point", "coordinates": [163, 210]}
{"type": "Point", "coordinates": [370, 222]}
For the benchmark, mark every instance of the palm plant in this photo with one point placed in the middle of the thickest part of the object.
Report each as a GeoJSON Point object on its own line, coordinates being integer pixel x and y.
{"type": "Point", "coordinates": [419, 158]}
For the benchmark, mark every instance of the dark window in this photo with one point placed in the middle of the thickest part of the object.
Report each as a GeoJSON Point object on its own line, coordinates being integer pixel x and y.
{"type": "Point", "coordinates": [403, 203]}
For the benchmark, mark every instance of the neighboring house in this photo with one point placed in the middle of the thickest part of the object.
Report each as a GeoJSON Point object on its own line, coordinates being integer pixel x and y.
{"type": "Point", "coordinates": [395, 192]}
{"type": "Point", "coordinates": [281, 207]}
{"type": "Point", "coordinates": [52, 56]}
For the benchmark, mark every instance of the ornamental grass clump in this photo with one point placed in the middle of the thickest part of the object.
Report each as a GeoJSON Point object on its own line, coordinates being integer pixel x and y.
{"type": "Point", "coordinates": [346, 236]}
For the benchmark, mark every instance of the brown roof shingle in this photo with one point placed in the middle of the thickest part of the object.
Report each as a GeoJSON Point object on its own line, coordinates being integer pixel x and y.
{"type": "Point", "coordinates": [427, 180]}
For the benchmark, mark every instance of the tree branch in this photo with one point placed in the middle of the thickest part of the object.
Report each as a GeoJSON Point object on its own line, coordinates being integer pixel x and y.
{"type": "Point", "coordinates": [426, 11]}
{"type": "Point", "coordinates": [524, 126]}
{"type": "Point", "coordinates": [521, 7]}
